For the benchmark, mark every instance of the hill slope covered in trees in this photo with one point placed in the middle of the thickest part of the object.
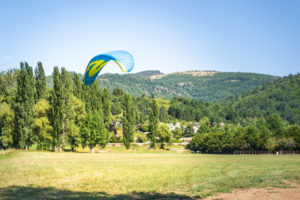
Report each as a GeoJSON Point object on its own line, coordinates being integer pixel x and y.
{"type": "Point", "coordinates": [281, 96]}
{"type": "Point", "coordinates": [201, 85]}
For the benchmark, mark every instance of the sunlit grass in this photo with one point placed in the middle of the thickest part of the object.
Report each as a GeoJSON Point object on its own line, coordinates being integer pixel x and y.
{"type": "Point", "coordinates": [140, 171]}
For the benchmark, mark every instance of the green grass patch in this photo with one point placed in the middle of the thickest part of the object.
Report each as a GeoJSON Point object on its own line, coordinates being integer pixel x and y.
{"type": "Point", "coordinates": [138, 174]}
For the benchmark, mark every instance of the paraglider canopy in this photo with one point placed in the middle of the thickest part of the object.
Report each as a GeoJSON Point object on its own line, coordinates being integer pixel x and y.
{"type": "Point", "coordinates": [122, 58]}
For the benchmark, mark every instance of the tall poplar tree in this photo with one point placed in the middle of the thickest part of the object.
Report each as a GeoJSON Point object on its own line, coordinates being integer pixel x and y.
{"type": "Point", "coordinates": [56, 103]}
{"type": "Point", "coordinates": [62, 113]}
{"type": "Point", "coordinates": [24, 108]}
{"type": "Point", "coordinates": [128, 121]}
{"type": "Point", "coordinates": [67, 109]}
{"type": "Point", "coordinates": [93, 130]}
{"type": "Point", "coordinates": [93, 99]}
{"type": "Point", "coordinates": [40, 81]}
{"type": "Point", "coordinates": [153, 122]}
{"type": "Point", "coordinates": [77, 86]}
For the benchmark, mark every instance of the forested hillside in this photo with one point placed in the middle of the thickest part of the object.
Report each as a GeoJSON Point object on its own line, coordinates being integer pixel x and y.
{"type": "Point", "coordinates": [282, 97]}
{"type": "Point", "coordinates": [201, 85]}
{"type": "Point", "coordinates": [207, 87]}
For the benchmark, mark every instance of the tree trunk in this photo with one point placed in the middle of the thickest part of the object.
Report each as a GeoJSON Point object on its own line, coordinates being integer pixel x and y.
{"type": "Point", "coordinates": [92, 149]}
{"type": "Point", "coordinates": [60, 148]}
{"type": "Point", "coordinates": [54, 147]}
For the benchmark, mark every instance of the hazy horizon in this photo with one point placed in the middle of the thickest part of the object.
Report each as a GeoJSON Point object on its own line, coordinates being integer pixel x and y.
{"type": "Point", "coordinates": [134, 72]}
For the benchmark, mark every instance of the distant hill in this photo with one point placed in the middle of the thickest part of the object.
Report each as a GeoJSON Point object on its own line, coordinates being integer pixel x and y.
{"type": "Point", "coordinates": [281, 96]}
{"type": "Point", "coordinates": [201, 85]}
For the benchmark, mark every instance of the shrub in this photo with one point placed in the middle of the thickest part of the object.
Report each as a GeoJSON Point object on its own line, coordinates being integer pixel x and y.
{"type": "Point", "coordinates": [141, 138]}
{"type": "Point", "coordinates": [144, 128]}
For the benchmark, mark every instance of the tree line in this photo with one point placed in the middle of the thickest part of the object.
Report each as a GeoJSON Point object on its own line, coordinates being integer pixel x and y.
{"type": "Point", "coordinates": [263, 135]}
{"type": "Point", "coordinates": [71, 115]}
{"type": "Point", "coordinates": [51, 118]}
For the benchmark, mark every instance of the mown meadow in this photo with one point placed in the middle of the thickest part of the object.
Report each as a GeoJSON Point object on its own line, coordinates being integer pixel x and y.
{"type": "Point", "coordinates": [138, 174]}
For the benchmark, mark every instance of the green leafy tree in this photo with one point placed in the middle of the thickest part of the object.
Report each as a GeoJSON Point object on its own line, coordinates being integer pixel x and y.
{"type": "Point", "coordinates": [8, 85]}
{"type": "Point", "coordinates": [144, 128]}
{"type": "Point", "coordinates": [118, 92]}
{"type": "Point", "coordinates": [106, 100]}
{"type": "Point", "coordinates": [162, 114]}
{"type": "Point", "coordinates": [264, 134]}
{"type": "Point", "coordinates": [62, 113]}
{"type": "Point", "coordinates": [62, 110]}
{"type": "Point", "coordinates": [78, 115]}
{"type": "Point", "coordinates": [128, 121]}
{"type": "Point", "coordinates": [294, 132]}
{"type": "Point", "coordinates": [204, 124]}
{"type": "Point", "coordinates": [153, 123]}
{"type": "Point", "coordinates": [252, 136]}
{"type": "Point", "coordinates": [198, 143]}
{"type": "Point", "coordinates": [93, 132]}
{"type": "Point", "coordinates": [271, 143]}
{"type": "Point", "coordinates": [24, 107]}
{"type": "Point", "coordinates": [77, 86]}
{"type": "Point", "coordinates": [40, 81]}
{"type": "Point", "coordinates": [141, 138]}
{"type": "Point", "coordinates": [188, 131]}
{"type": "Point", "coordinates": [6, 125]}
{"type": "Point", "coordinates": [203, 129]}
{"type": "Point", "coordinates": [164, 134]}
{"type": "Point", "coordinates": [275, 124]}
{"type": "Point", "coordinates": [93, 99]}
{"type": "Point", "coordinates": [116, 108]}
{"type": "Point", "coordinates": [177, 132]}
{"type": "Point", "coordinates": [228, 140]}
{"type": "Point", "coordinates": [239, 138]}
{"type": "Point", "coordinates": [204, 121]}
{"type": "Point", "coordinates": [57, 109]}
{"type": "Point", "coordinates": [42, 126]}
{"type": "Point", "coordinates": [67, 109]}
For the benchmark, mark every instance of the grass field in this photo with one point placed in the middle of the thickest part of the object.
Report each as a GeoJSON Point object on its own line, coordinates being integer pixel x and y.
{"type": "Point", "coordinates": [138, 175]}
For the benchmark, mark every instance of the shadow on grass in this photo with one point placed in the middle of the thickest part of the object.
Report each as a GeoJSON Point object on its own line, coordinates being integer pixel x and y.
{"type": "Point", "coordinates": [34, 193]}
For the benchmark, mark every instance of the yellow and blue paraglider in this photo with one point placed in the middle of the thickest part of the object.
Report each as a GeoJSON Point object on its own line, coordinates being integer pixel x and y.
{"type": "Point", "coordinates": [122, 58]}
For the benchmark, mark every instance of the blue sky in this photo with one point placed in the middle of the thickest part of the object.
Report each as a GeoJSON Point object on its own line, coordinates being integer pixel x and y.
{"type": "Point", "coordinates": [168, 35]}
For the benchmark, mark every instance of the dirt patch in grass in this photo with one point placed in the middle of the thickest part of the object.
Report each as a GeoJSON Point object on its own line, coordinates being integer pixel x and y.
{"type": "Point", "coordinates": [292, 193]}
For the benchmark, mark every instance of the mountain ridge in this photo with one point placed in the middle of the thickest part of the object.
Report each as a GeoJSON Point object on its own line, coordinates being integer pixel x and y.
{"type": "Point", "coordinates": [207, 85]}
{"type": "Point", "coordinates": [201, 85]}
